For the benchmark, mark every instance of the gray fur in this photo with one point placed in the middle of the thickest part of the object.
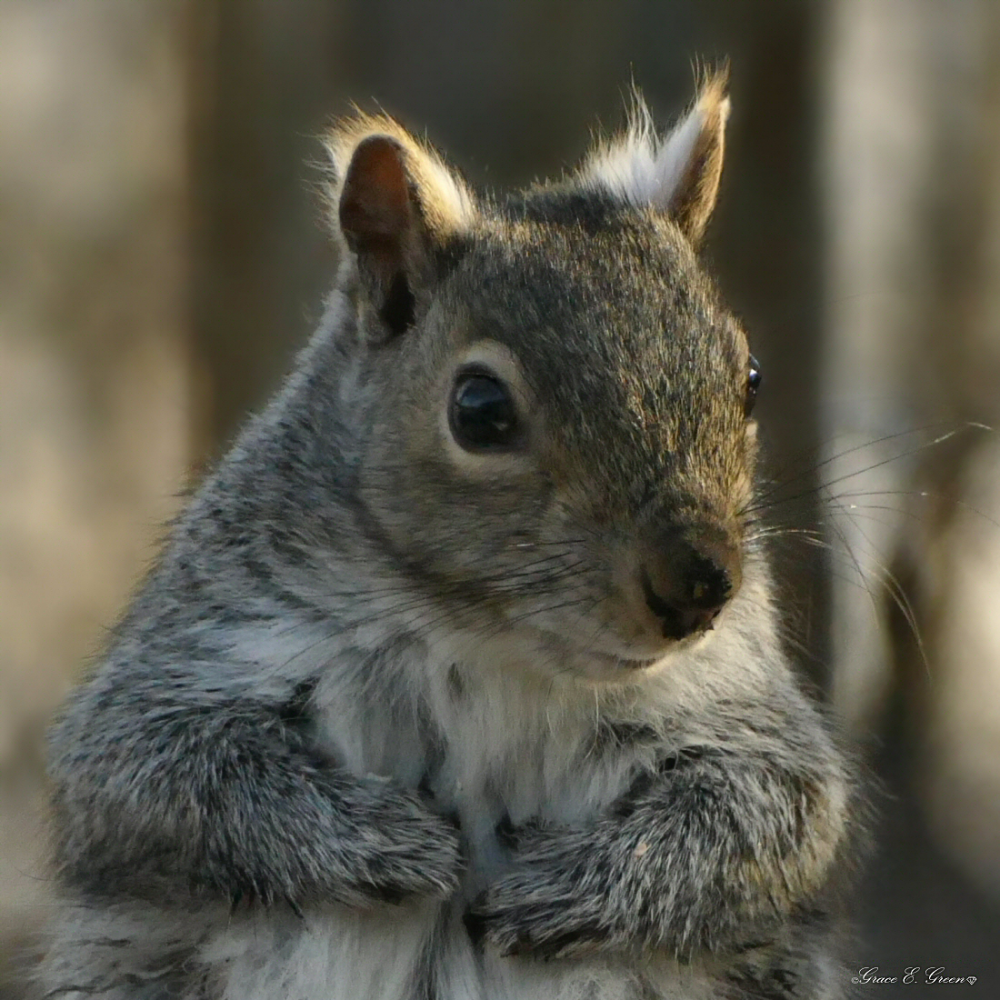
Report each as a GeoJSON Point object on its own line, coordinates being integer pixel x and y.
{"type": "Point", "coordinates": [381, 722]}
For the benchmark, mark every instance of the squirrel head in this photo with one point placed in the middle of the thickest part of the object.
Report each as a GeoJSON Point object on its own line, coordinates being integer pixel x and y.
{"type": "Point", "coordinates": [552, 402]}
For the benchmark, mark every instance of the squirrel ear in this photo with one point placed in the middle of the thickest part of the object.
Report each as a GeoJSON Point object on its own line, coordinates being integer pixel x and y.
{"type": "Point", "coordinates": [678, 174]}
{"type": "Point", "coordinates": [397, 204]}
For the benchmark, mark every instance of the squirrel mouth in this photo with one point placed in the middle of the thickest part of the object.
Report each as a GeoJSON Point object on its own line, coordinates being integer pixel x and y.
{"type": "Point", "coordinates": [609, 663]}
{"type": "Point", "coordinates": [628, 663]}
{"type": "Point", "coordinates": [640, 664]}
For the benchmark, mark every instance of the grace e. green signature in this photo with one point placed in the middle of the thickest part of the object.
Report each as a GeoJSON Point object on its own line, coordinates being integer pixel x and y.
{"type": "Point", "coordinates": [872, 975]}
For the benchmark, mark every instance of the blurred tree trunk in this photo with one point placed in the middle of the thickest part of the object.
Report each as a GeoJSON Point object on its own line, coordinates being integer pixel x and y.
{"type": "Point", "coordinates": [94, 361]}
{"type": "Point", "coordinates": [260, 258]}
{"type": "Point", "coordinates": [912, 160]}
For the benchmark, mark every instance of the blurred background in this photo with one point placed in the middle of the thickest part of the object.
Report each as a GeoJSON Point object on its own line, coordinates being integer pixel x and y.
{"type": "Point", "coordinates": [163, 254]}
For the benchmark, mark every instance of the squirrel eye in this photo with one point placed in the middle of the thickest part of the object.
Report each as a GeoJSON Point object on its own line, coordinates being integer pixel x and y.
{"type": "Point", "coordinates": [753, 384]}
{"type": "Point", "coordinates": [482, 416]}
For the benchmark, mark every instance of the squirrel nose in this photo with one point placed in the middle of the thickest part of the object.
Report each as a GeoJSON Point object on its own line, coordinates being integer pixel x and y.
{"type": "Point", "coordinates": [687, 586]}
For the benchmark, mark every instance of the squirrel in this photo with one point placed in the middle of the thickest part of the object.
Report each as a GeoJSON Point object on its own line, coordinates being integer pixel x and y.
{"type": "Point", "coordinates": [460, 677]}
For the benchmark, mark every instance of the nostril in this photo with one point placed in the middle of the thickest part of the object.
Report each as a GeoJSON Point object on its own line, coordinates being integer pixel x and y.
{"type": "Point", "coordinates": [709, 585]}
{"type": "Point", "coordinates": [695, 601]}
{"type": "Point", "coordinates": [675, 621]}
{"type": "Point", "coordinates": [698, 620]}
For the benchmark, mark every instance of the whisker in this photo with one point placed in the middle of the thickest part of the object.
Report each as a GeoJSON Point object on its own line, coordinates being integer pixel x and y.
{"type": "Point", "coordinates": [776, 501]}
{"type": "Point", "coordinates": [782, 482]}
{"type": "Point", "coordinates": [890, 582]}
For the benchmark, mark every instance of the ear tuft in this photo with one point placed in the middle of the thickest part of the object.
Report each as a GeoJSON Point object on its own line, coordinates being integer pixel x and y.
{"type": "Point", "coordinates": [397, 204]}
{"type": "Point", "coordinates": [677, 175]}
{"type": "Point", "coordinates": [446, 203]}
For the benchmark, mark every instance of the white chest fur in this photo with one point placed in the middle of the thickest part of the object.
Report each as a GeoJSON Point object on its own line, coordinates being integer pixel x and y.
{"type": "Point", "coordinates": [489, 741]}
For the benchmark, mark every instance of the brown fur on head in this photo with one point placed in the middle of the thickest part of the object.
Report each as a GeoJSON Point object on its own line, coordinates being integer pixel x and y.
{"type": "Point", "coordinates": [599, 500]}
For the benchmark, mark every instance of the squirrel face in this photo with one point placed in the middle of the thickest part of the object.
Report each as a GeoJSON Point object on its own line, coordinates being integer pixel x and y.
{"type": "Point", "coordinates": [560, 439]}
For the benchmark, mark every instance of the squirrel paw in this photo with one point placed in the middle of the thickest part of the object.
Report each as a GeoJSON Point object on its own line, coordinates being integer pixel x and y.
{"type": "Point", "coordinates": [361, 844]}
{"type": "Point", "coordinates": [545, 908]}
{"type": "Point", "coordinates": [514, 923]}
{"type": "Point", "coordinates": [405, 851]}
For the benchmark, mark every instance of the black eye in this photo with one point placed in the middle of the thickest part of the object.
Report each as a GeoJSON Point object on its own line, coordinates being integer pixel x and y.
{"type": "Point", "coordinates": [753, 384]}
{"type": "Point", "coordinates": [482, 415]}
